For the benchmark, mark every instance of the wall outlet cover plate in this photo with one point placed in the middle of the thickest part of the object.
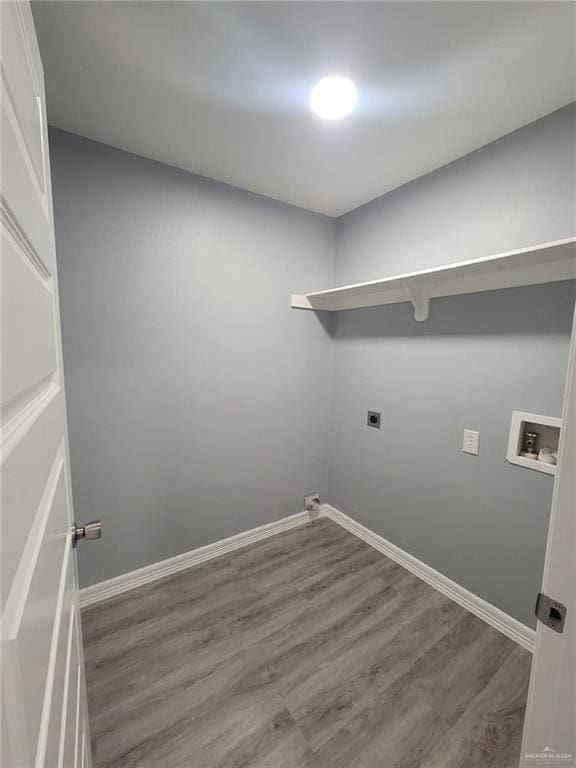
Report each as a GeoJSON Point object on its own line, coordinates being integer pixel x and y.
{"type": "Point", "coordinates": [471, 442]}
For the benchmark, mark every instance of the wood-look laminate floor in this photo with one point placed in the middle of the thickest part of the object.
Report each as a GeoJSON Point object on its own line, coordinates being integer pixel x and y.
{"type": "Point", "coordinates": [307, 650]}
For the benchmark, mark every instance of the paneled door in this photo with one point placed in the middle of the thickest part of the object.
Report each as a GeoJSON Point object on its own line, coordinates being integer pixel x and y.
{"type": "Point", "coordinates": [550, 723]}
{"type": "Point", "coordinates": [44, 716]}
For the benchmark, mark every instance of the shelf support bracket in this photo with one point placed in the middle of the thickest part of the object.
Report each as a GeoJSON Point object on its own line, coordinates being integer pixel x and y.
{"type": "Point", "coordinates": [420, 301]}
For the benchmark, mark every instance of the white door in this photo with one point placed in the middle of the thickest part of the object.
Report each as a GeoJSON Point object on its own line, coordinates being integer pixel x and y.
{"type": "Point", "coordinates": [44, 717]}
{"type": "Point", "coordinates": [550, 723]}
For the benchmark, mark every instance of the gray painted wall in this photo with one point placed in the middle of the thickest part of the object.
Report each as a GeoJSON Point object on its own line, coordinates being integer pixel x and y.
{"type": "Point", "coordinates": [478, 520]}
{"type": "Point", "coordinates": [515, 192]}
{"type": "Point", "coordinates": [196, 397]}
{"type": "Point", "coordinates": [198, 401]}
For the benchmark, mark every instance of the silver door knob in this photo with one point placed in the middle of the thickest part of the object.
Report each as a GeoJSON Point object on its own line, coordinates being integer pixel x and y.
{"type": "Point", "coordinates": [91, 530]}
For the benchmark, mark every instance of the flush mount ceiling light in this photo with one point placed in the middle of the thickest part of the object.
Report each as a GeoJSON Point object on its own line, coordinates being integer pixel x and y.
{"type": "Point", "coordinates": [333, 97]}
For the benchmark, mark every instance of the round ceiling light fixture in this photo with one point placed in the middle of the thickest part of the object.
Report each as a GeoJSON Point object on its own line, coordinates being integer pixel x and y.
{"type": "Point", "coordinates": [333, 97]}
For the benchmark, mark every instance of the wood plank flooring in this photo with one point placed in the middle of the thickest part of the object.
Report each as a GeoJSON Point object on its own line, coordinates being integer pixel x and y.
{"type": "Point", "coordinates": [307, 650]}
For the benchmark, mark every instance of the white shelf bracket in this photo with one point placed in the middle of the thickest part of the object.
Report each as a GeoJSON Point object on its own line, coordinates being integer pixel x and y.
{"type": "Point", "coordinates": [420, 301]}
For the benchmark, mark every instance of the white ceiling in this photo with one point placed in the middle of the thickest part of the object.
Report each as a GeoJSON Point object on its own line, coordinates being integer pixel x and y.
{"type": "Point", "coordinates": [222, 88]}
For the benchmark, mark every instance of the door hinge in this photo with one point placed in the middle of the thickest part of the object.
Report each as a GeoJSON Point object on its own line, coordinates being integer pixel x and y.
{"type": "Point", "coordinates": [550, 612]}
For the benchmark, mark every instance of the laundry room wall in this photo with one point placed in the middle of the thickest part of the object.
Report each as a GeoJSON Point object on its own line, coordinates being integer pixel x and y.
{"type": "Point", "coordinates": [477, 519]}
{"type": "Point", "coordinates": [197, 399]}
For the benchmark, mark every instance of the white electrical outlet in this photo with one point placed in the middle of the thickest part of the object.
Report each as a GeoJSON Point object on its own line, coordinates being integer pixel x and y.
{"type": "Point", "coordinates": [471, 441]}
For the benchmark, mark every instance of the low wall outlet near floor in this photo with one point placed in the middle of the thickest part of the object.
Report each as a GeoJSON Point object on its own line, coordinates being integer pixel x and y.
{"type": "Point", "coordinates": [471, 441]}
{"type": "Point", "coordinates": [533, 441]}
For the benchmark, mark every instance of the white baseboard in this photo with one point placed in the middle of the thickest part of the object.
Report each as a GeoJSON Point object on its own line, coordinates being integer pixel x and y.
{"type": "Point", "coordinates": [512, 628]}
{"type": "Point", "coordinates": [112, 587]}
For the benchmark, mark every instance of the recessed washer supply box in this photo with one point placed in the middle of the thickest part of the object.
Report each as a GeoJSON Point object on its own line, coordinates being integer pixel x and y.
{"type": "Point", "coordinates": [548, 431]}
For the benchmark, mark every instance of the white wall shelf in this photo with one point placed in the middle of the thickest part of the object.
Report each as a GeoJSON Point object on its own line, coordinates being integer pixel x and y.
{"type": "Point", "coordinates": [546, 263]}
